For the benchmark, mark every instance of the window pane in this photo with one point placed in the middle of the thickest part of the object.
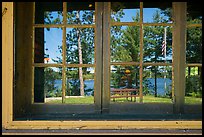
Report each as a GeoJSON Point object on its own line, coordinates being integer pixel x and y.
{"type": "Point", "coordinates": [47, 84]}
{"type": "Point", "coordinates": [80, 86]}
{"type": "Point", "coordinates": [125, 11]}
{"type": "Point", "coordinates": [154, 37]}
{"type": "Point", "coordinates": [194, 13]}
{"type": "Point", "coordinates": [80, 12]}
{"type": "Point", "coordinates": [157, 84]}
{"type": "Point", "coordinates": [157, 12]}
{"type": "Point", "coordinates": [80, 46]}
{"type": "Point", "coordinates": [124, 78]}
{"type": "Point", "coordinates": [48, 13]}
{"type": "Point", "coordinates": [125, 43]}
{"type": "Point", "coordinates": [48, 43]}
{"type": "Point", "coordinates": [193, 92]}
{"type": "Point", "coordinates": [194, 45]}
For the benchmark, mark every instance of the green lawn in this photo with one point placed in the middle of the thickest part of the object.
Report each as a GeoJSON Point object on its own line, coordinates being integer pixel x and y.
{"type": "Point", "coordinates": [75, 100]}
{"type": "Point", "coordinates": [146, 99]}
{"type": "Point", "coordinates": [193, 100]}
{"type": "Point", "coordinates": [188, 100]}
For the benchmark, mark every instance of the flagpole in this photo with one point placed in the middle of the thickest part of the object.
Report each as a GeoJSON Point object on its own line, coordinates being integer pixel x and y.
{"type": "Point", "coordinates": [165, 58]}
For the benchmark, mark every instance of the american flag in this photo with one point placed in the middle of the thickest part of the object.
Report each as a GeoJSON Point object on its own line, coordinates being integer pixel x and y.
{"type": "Point", "coordinates": [163, 48]}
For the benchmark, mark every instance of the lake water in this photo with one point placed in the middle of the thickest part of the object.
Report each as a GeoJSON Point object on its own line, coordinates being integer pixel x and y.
{"type": "Point", "coordinates": [160, 85]}
{"type": "Point", "coordinates": [89, 84]}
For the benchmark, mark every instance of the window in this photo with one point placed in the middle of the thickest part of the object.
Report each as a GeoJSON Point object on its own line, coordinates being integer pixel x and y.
{"type": "Point", "coordinates": [193, 56]}
{"type": "Point", "coordinates": [108, 60]}
{"type": "Point", "coordinates": [136, 47]}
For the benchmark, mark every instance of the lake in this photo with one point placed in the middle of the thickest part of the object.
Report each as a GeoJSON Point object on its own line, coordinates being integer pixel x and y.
{"type": "Point", "coordinates": [160, 84]}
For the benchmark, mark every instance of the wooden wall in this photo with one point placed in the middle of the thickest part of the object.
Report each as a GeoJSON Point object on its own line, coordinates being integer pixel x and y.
{"type": "Point", "coordinates": [7, 62]}
{"type": "Point", "coordinates": [23, 58]}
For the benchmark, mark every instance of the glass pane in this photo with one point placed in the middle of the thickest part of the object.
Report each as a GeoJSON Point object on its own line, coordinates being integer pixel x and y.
{"type": "Point", "coordinates": [157, 12]}
{"type": "Point", "coordinates": [157, 84]}
{"type": "Point", "coordinates": [48, 42]}
{"type": "Point", "coordinates": [193, 92]}
{"type": "Point", "coordinates": [80, 12]}
{"type": "Point", "coordinates": [194, 45]}
{"type": "Point", "coordinates": [125, 11]}
{"type": "Point", "coordinates": [80, 86]}
{"type": "Point", "coordinates": [125, 43]}
{"type": "Point", "coordinates": [155, 38]}
{"type": "Point", "coordinates": [194, 13]}
{"type": "Point", "coordinates": [47, 84]}
{"type": "Point", "coordinates": [124, 83]}
{"type": "Point", "coordinates": [48, 13]}
{"type": "Point", "coordinates": [80, 46]}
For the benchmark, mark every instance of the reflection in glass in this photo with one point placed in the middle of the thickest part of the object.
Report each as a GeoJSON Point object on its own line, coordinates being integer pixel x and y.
{"type": "Point", "coordinates": [80, 46]}
{"type": "Point", "coordinates": [47, 84]}
{"type": "Point", "coordinates": [125, 43]}
{"type": "Point", "coordinates": [155, 38]}
{"type": "Point", "coordinates": [125, 11]}
{"type": "Point", "coordinates": [48, 43]}
{"type": "Point", "coordinates": [81, 13]}
{"type": "Point", "coordinates": [194, 45]}
{"type": "Point", "coordinates": [157, 82]}
{"type": "Point", "coordinates": [48, 13]}
{"type": "Point", "coordinates": [157, 12]}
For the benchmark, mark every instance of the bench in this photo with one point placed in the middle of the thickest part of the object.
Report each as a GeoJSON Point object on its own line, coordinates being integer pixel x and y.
{"type": "Point", "coordinates": [124, 93]}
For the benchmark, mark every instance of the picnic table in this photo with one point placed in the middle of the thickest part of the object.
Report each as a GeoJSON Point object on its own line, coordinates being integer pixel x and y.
{"type": "Point", "coordinates": [124, 93]}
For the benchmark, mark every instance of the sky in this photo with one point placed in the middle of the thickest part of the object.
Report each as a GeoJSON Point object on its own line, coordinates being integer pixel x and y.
{"type": "Point", "coordinates": [53, 37]}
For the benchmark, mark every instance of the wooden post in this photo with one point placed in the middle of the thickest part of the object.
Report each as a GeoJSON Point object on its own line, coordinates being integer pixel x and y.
{"type": "Point", "coordinates": [98, 57]}
{"type": "Point", "coordinates": [23, 58]}
{"type": "Point", "coordinates": [106, 58]}
{"type": "Point", "coordinates": [179, 58]}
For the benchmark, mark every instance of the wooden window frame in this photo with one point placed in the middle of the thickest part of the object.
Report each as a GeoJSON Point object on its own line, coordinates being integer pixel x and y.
{"type": "Point", "coordinates": [7, 93]}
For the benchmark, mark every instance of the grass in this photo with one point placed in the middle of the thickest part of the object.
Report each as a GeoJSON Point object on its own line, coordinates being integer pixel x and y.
{"type": "Point", "coordinates": [82, 100]}
{"type": "Point", "coordinates": [146, 99]}
{"type": "Point", "coordinates": [75, 100]}
{"type": "Point", "coordinates": [193, 100]}
{"type": "Point", "coordinates": [152, 99]}
{"type": "Point", "coordinates": [188, 100]}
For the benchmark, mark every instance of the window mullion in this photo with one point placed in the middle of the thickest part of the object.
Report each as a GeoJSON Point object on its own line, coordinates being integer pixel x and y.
{"type": "Point", "coordinates": [33, 53]}
{"type": "Point", "coordinates": [64, 52]}
{"type": "Point", "coordinates": [141, 52]}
